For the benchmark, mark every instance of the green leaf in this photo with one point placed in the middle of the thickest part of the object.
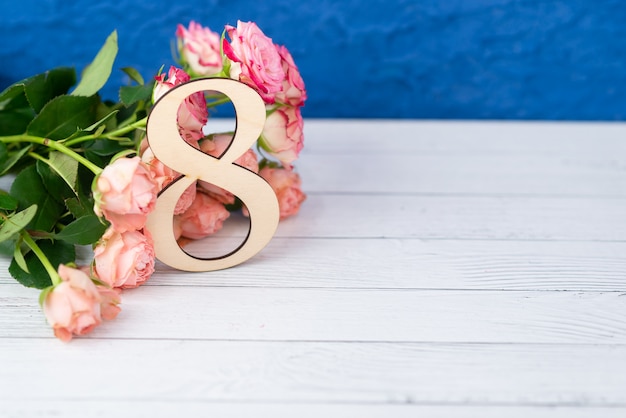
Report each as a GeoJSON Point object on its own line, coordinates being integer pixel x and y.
{"type": "Point", "coordinates": [101, 121]}
{"type": "Point", "coordinates": [42, 88]}
{"type": "Point", "coordinates": [19, 258]}
{"type": "Point", "coordinates": [64, 166]}
{"type": "Point", "coordinates": [105, 147]}
{"type": "Point", "coordinates": [55, 185]}
{"type": "Point", "coordinates": [56, 251]}
{"type": "Point", "coordinates": [133, 74]}
{"type": "Point", "coordinates": [15, 121]}
{"type": "Point", "coordinates": [7, 202]}
{"type": "Point", "coordinates": [97, 73]}
{"type": "Point", "coordinates": [28, 188]}
{"type": "Point", "coordinates": [83, 231]}
{"type": "Point", "coordinates": [63, 116]}
{"type": "Point", "coordinates": [80, 206]}
{"type": "Point", "coordinates": [15, 223]}
{"type": "Point", "coordinates": [5, 166]}
{"type": "Point", "coordinates": [133, 94]}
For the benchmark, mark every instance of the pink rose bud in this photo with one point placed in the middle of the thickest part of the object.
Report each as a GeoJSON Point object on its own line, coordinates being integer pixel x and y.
{"type": "Point", "coordinates": [255, 60]}
{"type": "Point", "coordinates": [283, 135]}
{"type": "Point", "coordinates": [124, 260]}
{"type": "Point", "coordinates": [286, 185]}
{"type": "Point", "coordinates": [73, 306]}
{"type": "Point", "coordinates": [204, 217]}
{"type": "Point", "coordinates": [125, 194]}
{"type": "Point", "coordinates": [192, 114]}
{"type": "Point", "coordinates": [215, 146]}
{"type": "Point", "coordinates": [293, 92]}
{"type": "Point", "coordinates": [164, 175]}
{"type": "Point", "coordinates": [200, 48]}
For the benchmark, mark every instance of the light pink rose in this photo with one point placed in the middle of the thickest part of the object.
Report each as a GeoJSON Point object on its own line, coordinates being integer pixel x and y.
{"type": "Point", "coordinates": [215, 146]}
{"type": "Point", "coordinates": [200, 47]}
{"type": "Point", "coordinates": [163, 175]}
{"type": "Point", "coordinates": [72, 307]}
{"type": "Point", "coordinates": [293, 92]}
{"type": "Point", "coordinates": [192, 114]}
{"type": "Point", "coordinates": [125, 194]}
{"type": "Point", "coordinates": [109, 301]}
{"type": "Point", "coordinates": [255, 60]}
{"type": "Point", "coordinates": [124, 260]}
{"type": "Point", "coordinates": [286, 185]}
{"type": "Point", "coordinates": [204, 217]}
{"type": "Point", "coordinates": [283, 135]}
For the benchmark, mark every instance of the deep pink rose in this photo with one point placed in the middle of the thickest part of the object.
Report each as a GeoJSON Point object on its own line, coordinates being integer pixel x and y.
{"type": "Point", "coordinates": [286, 185]}
{"type": "Point", "coordinates": [293, 92]}
{"type": "Point", "coordinates": [215, 146]}
{"type": "Point", "coordinates": [204, 217]}
{"type": "Point", "coordinates": [73, 306]}
{"type": "Point", "coordinates": [193, 113]}
{"type": "Point", "coordinates": [125, 194]}
{"type": "Point", "coordinates": [283, 135]}
{"type": "Point", "coordinates": [124, 260]}
{"type": "Point", "coordinates": [255, 60]}
{"type": "Point", "coordinates": [163, 175]}
{"type": "Point", "coordinates": [200, 47]}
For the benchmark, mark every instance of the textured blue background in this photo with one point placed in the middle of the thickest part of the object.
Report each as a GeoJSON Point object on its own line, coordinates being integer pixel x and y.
{"type": "Point", "coordinates": [500, 59]}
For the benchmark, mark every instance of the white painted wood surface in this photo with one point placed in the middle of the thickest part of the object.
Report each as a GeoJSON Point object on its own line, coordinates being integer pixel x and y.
{"type": "Point", "coordinates": [440, 269]}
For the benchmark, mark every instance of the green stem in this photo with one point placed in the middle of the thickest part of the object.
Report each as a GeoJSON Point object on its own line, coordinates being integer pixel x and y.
{"type": "Point", "coordinates": [54, 276]}
{"type": "Point", "coordinates": [218, 102]}
{"type": "Point", "coordinates": [141, 123]}
{"type": "Point", "coordinates": [57, 146]}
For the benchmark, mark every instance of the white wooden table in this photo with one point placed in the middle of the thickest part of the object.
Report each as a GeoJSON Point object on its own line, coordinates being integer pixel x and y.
{"type": "Point", "coordinates": [440, 269]}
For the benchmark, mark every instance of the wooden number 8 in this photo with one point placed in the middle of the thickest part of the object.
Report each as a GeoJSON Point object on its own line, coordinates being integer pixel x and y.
{"type": "Point", "coordinates": [168, 146]}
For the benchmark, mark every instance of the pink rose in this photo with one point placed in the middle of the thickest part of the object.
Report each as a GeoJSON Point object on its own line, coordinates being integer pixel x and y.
{"type": "Point", "coordinates": [163, 175]}
{"type": "Point", "coordinates": [293, 92]}
{"type": "Point", "coordinates": [283, 135]}
{"type": "Point", "coordinates": [286, 185]}
{"type": "Point", "coordinates": [200, 47]}
{"type": "Point", "coordinates": [124, 260]}
{"type": "Point", "coordinates": [109, 301]}
{"type": "Point", "coordinates": [72, 306]}
{"type": "Point", "coordinates": [192, 114]}
{"type": "Point", "coordinates": [255, 60]}
{"type": "Point", "coordinates": [204, 217]}
{"type": "Point", "coordinates": [215, 146]}
{"type": "Point", "coordinates": [125, 194]}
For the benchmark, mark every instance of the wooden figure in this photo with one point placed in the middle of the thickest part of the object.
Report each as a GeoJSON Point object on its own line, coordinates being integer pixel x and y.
{"type": "Point", "coordinates": [168, 146]}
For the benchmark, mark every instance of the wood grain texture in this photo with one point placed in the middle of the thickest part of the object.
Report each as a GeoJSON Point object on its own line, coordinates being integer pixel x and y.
{"type": "Point", "coordinates": [457, 269]}
{"type": "Point", "coordinates": [356, 315]}
{"type": "Point", "coordinates": [157, 408]}
{"type": "Point", "coordinates": [388, 373]}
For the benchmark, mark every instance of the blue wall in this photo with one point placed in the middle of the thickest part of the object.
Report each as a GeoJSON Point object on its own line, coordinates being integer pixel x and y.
{"type": "Point", "coordinates": [500, 59]}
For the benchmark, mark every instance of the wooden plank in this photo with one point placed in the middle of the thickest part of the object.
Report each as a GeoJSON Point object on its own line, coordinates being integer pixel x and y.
{"type": "Point", "coordinates": [468, 138]}
{"type": "Point", "coordinates": [412, 264]}
{"type": "Point", "coordinates": [157, 408]}
{"type": "Point", "coordinates": [453, 217]}
{"type": "Point", "coordinates": [344, 315]}
{"type": "Point", "coordinates": [443, 174]}
{"type": "Point", "coordinates": [415, 374]}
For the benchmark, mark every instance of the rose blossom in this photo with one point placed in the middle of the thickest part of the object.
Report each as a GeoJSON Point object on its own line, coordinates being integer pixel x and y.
{"type": "Point", "coordinates": [293, 92]}
{"type": "Point", "coordinates": [200, 47]}
{"type": "Point", "coordinates": [204, 217]}
{"type": "Point", "coordinates": [215, 146]}
{"type": "Point", "coordinates": [255, 60]}
{"type": "Point", "coordinates": [282, 134]}
{"type": "Point", "coordinates": [124, 260]}
{"type": "Point", "coordinates": [72, 306]}
{"type": "Point", "coordinates": [125, 193]}
{"type": "Point", "coordinates": [164, 175]}
{"type": "Point", "coordinates": [286, 185]}
{"type": "Point", "coordinates": [109, 299]}
{"type": "Point", "coordinates": [192, 114]}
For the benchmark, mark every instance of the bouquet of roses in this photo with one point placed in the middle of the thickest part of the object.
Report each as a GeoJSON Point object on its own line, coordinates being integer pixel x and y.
{"type": "Point", "coordinates": [81, 171]}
